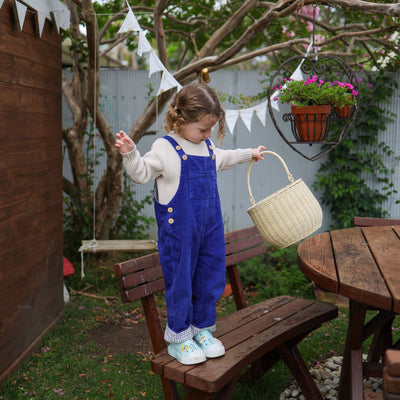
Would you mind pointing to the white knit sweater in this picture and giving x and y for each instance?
(163, 164)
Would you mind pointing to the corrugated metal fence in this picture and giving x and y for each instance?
(124, 95)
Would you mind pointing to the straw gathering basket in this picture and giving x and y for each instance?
(288, 215)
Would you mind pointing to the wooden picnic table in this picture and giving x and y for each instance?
(363, 265)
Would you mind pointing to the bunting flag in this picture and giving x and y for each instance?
(231, 117)
(131, 24)
(144, 45)
(20, 12)
(53, 10)
(168, 82)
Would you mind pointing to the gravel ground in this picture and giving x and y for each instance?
(326, 375)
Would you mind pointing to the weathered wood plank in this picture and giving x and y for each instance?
(359, 277)
(385, 247)
(315, 254)
(121, 245)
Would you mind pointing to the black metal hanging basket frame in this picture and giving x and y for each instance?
(315, 65)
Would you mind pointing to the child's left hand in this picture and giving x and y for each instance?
(256, 153)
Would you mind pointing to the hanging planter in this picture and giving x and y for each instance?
(310, 123)
(316, 80)
(345, 111)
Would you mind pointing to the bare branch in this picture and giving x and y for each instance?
(159, 29)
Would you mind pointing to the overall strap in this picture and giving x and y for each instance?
(175, 145)
(209, 147)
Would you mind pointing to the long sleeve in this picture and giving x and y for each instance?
(142, 169)
(227, 159)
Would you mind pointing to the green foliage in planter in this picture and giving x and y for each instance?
(341, 178)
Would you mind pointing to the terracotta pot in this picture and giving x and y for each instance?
(311, 122)
(343, 112)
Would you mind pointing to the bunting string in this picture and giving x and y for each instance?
(59, 14)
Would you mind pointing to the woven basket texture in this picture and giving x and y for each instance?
(288, 215)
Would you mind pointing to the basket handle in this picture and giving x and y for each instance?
(289, 175)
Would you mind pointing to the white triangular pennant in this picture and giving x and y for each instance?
(143, 45)
(246, 115)
(168, 82)
(130, 23)
(231, 117)
(274, 103)
(61, 19)
(261, 111)
(20, 12)
(297, 74)
(40, 20)
(155, 64)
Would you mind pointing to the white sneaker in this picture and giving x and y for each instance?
(187, 352)
(211, 346)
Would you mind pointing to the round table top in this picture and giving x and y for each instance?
(362, 264)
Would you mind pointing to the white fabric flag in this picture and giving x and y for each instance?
(261, 111)
(231, 117)
(143, 45)
(20, 12)
(61, 18)
(246, 114)
(42, 12)
(40, 20)
(130, 23)
(155, 64)
(168, 82)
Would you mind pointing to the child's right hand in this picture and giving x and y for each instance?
(124, 143)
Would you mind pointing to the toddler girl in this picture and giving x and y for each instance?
(191, 242)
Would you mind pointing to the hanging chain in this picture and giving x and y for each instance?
(314, 50)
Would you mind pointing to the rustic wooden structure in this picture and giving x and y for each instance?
(362, 264)
(120, 245)
(255, 336)
(369, 221)
(391, 378)
(31, 268)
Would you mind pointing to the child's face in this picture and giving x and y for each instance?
(196, 132)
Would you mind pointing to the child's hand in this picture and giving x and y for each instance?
(256, 153)
(124, 143)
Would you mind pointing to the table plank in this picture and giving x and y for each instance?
(316, 261)
(359, 276)
(385, 246)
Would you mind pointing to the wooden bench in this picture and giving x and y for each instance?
(256, 336)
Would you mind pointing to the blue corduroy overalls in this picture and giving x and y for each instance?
(191, 245)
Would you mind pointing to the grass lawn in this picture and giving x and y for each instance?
(100, 349)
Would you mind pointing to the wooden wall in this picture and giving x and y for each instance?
(31, 271)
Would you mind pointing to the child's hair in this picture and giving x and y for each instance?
(190, 104)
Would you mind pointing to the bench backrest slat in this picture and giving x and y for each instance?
(142, 276)
(142, 291)
(136, 264)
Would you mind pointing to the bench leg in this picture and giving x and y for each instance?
(198, 395)
(227, 392)
(170, 390)
(293, 359)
